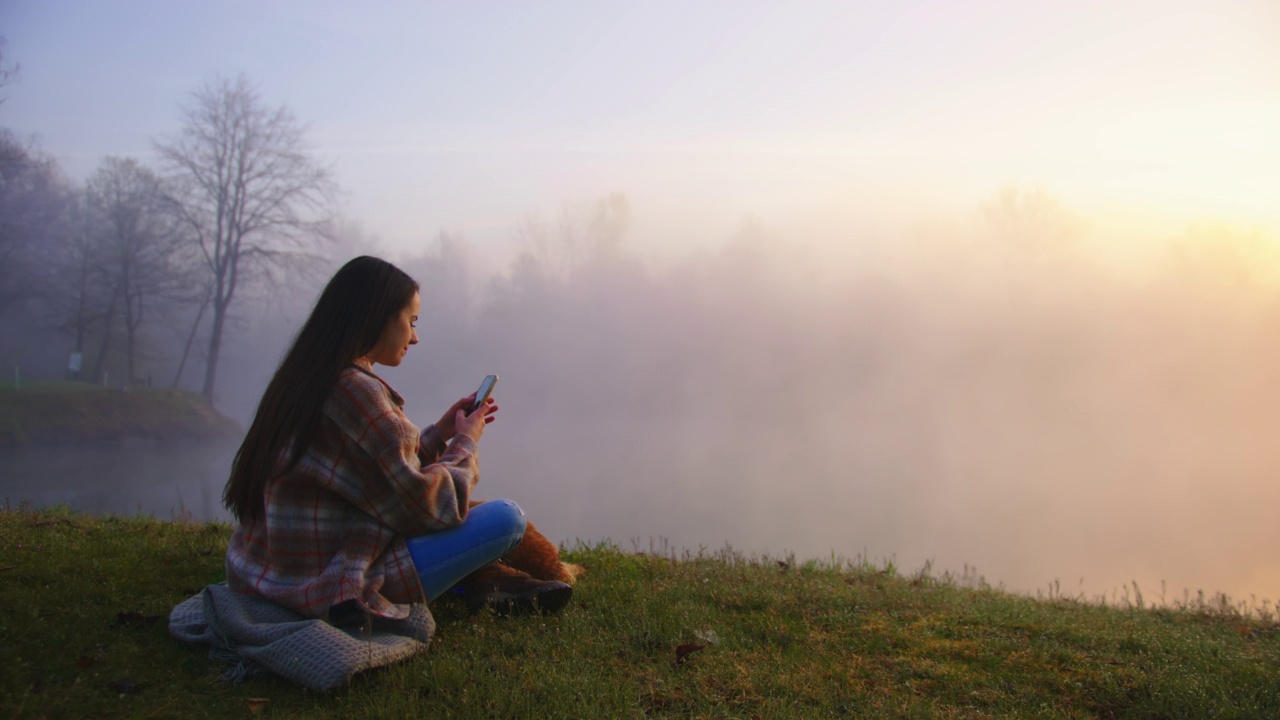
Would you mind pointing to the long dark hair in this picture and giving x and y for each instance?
(348, 319)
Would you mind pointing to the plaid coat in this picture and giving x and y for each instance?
(336, 523)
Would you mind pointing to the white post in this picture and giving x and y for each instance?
(73, 365)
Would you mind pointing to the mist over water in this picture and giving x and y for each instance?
(170, 480)
(1031, 411)
(1012, 394)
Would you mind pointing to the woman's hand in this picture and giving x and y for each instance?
(472, 425)
(445, 425)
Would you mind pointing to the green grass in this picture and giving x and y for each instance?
(52, 413)
(85, 601)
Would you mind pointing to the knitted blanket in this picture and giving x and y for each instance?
(259, 636)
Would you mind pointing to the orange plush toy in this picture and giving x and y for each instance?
(540, 558)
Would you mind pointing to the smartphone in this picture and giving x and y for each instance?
(486, 387)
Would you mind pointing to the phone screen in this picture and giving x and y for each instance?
(486, 387)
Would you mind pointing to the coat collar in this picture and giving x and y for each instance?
(395, 396)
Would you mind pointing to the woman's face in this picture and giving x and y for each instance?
(398, 335)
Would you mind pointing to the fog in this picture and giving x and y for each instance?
(1004, 390)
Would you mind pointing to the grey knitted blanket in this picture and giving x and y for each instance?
(259, 636)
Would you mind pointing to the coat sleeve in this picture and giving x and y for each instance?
(430, 445)
(400, 491)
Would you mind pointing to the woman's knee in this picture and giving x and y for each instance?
(504, 517)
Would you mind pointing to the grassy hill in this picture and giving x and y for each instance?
(85, 602)
(75, 413)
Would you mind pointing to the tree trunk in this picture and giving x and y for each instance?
(81, 311)
(215, 346)
(186, 349)
(131, 321)
(106, 338)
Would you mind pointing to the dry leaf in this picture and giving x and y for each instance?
(684, 651)
(256, 705)
(125, 686)
(131, 618)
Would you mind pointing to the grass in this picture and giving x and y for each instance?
(85, 601)
(52, 413)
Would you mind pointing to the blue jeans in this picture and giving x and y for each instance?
(489, 532)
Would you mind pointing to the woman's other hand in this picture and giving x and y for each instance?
(445, 425)
(473, 424)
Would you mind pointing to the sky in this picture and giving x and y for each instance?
(469, 117)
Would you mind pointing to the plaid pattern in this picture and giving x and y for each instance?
(335, 524)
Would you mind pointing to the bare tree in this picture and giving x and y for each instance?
(444, 273)
(1030, 221)
(7, 74)
(33, 211)
(583, 238)
(75, 262)
(254, 199)
(137, 243)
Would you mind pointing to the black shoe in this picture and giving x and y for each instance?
(548, 599)
(511, 592)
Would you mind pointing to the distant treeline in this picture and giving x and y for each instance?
(109, 263)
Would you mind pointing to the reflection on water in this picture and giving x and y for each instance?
(151, 477)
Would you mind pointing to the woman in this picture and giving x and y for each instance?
(342, 507)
